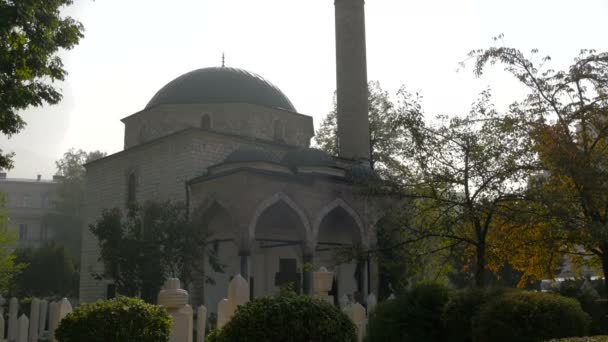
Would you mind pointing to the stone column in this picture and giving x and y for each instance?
(364, 280)
(175, 300)
(245, 264)
(351, 76)
(307, 286)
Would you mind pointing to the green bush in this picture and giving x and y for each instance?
(462, 306)
(287, 317)
(413, 316)
(522, 316)
(119, 319)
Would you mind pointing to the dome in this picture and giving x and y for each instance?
(308, 157)
(249, 154)
(221, 85)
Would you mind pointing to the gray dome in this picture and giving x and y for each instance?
(308, 157)
(250, 154)
(221, 85)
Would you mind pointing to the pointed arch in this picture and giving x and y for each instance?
(327, 209)
(272, 200)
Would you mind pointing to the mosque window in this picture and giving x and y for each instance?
(131, 189)
(279, 131)
(206, 121)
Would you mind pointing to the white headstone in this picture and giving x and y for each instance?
(372, 301)
(344, 301)
(34, 320)
(13, 319)
(175, 300)
(23, 329)
(44, 307)
(201, 322)
(238, 291)
(224, 312)
(65, 307)
(356, 312)
(53, 319)
(391, 297)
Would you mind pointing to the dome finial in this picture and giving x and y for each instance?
(223, 60)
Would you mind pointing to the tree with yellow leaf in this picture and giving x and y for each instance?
(566, 113)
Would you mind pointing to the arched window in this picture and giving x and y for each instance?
(131, 189)
(206, 121)
(278, 131)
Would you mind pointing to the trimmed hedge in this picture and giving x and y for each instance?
(414, 316)
(463, 305)
(118, 319)
(522, 316)
(287, 317)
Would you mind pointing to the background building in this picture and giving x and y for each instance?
(28, 202)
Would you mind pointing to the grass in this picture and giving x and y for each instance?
(582, 339)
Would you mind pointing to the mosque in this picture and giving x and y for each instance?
(230, 142)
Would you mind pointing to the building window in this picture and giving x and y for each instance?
(44, 200)
(26, 200)
(206, 121)
(131, 189)
(44, 232)
(279, 131)
(22, 232)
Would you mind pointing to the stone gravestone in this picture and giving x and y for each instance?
(372, 301)
(34, 320)
(288, 274)
(356, 312)
(201, 322)
(344, 301)
(44, 307)
(58, 310)
(238, 294)
(322, 283)
(23, 329)
(175, 300)
(53, 319)
(13, 319)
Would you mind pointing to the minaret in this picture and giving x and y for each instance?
(351, 74)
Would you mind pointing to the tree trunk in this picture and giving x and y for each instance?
(480, 267)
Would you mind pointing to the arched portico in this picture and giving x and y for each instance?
(280, 235)
(338, 226)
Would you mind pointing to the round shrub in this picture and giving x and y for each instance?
(118, 319)
(523, 316)
(460, 309)
(413, 316)
(287, 317)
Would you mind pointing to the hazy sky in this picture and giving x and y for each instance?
(134, 47)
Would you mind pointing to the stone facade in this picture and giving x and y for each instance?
(161, 168)
(28, 202)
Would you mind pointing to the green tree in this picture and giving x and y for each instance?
(566, 112)
(67, 217)
(9, 268)
(386, 131)
(31, 35)
(50, 272)
(152, 241)
(466, 173)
